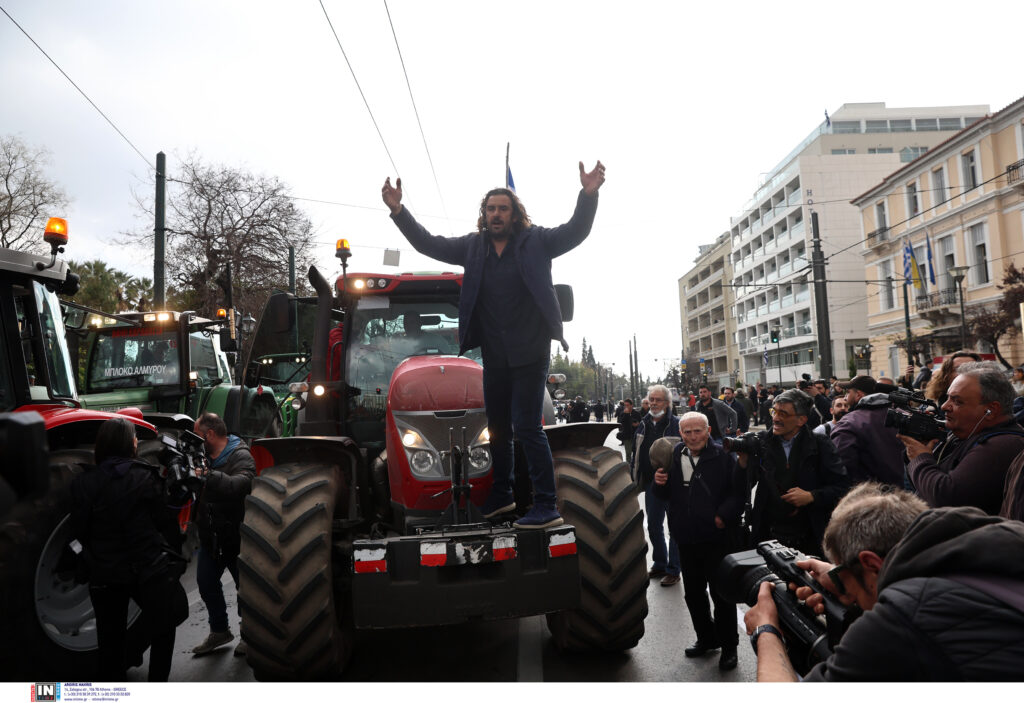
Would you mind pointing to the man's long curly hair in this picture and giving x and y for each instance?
(522, 220)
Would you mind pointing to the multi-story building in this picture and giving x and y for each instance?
(771, 240)
(965, 199)
(705, 304)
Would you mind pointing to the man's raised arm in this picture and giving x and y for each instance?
(450, 250)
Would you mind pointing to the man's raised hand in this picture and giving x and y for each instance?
(593, 180)
(392, 195)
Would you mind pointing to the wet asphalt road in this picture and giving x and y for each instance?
(507, 650)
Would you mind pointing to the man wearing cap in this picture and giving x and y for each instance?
(868, 449)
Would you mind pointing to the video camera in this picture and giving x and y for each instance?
(913, 415)
(809, 637)
(181, 458)
(746, 443)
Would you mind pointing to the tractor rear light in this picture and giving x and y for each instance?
(561, 544)
(433, 553)
(370, 559)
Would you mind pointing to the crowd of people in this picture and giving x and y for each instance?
(932, 515)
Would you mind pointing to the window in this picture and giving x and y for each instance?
(978, 244)
(880, 219)
(947, 260)
(876, 126)
(909, 153)
(845, 127)
(885, 274)
(899, 125)
(967, 164)
(939, 185)
(913, 205)
(839, 152)
(880, 150)
(928, 125)
(949, 123)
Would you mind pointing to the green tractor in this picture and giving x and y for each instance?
(172, 366)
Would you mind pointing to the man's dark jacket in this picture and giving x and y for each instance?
(535, 248)
(742, 419)
(818, 470)
(120, 517)
(715, 489)
(626, 421)
(222, 503)
(650, 430)
(950, 606)
(968, 472)
(868, 449)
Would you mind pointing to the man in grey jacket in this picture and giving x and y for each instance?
(721, 418)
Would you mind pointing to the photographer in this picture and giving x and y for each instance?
(220, 514)
(704, 497)
(868, 449)
(120, 516)
(579, 410)
(629, 420)
(941, 590)
(970, 466)
(799, 477)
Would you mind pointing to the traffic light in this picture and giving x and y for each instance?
(775, 336)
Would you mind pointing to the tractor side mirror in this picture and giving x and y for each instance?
(565, 300)
(279, 314)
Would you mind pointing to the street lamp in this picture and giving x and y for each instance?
(248, 325)
(958, 273)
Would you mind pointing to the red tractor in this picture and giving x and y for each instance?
(45, 438)
(368, 518)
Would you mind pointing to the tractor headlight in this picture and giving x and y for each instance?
(479, 459)
(423, 462)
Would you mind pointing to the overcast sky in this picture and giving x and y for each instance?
(686, 106)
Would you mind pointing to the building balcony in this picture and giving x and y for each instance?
(937, 299)
(1015, 174)
(878, 236)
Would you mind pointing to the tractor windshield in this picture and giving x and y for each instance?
(385, 331)
(133, 357)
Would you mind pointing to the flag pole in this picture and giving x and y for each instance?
(507, 145)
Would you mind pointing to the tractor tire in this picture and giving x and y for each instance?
(598, 497)
(48, 617)
(292, 620)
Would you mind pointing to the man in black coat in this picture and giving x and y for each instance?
(704, 502)
(942, 592)
(799, 477)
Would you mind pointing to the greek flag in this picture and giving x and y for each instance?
(765, 356)
(907, 256)
(509, 183)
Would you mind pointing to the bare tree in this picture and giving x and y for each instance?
(27, 196)
(217, 215)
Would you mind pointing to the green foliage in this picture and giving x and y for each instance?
(109, 289)
(585, 380)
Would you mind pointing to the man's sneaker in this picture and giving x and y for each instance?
(212, 641)
(539, 517)
(242, 649)
(497, 504)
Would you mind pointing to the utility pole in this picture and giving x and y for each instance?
(159, 233)
(821, 300)
(636, 365)
(632, 378)
(291, 269)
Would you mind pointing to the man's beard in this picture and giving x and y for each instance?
(657, 415)
(836, 417)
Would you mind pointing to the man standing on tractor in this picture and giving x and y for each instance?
(508, 308)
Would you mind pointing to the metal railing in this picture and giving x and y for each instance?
(878, 236)
(937, 299)
(1015, 173)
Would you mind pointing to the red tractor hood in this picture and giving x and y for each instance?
(57, 415)
(436, 383)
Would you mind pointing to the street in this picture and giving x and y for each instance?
(505, 650)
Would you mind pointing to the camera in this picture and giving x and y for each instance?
(746, 443)
(809, 637)
(181, 458)
(913, 415)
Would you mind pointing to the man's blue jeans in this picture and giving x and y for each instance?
(514, 401)
(208, 573)
(657, 509)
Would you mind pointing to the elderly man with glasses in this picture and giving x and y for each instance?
(799, 477)
(942, 591)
